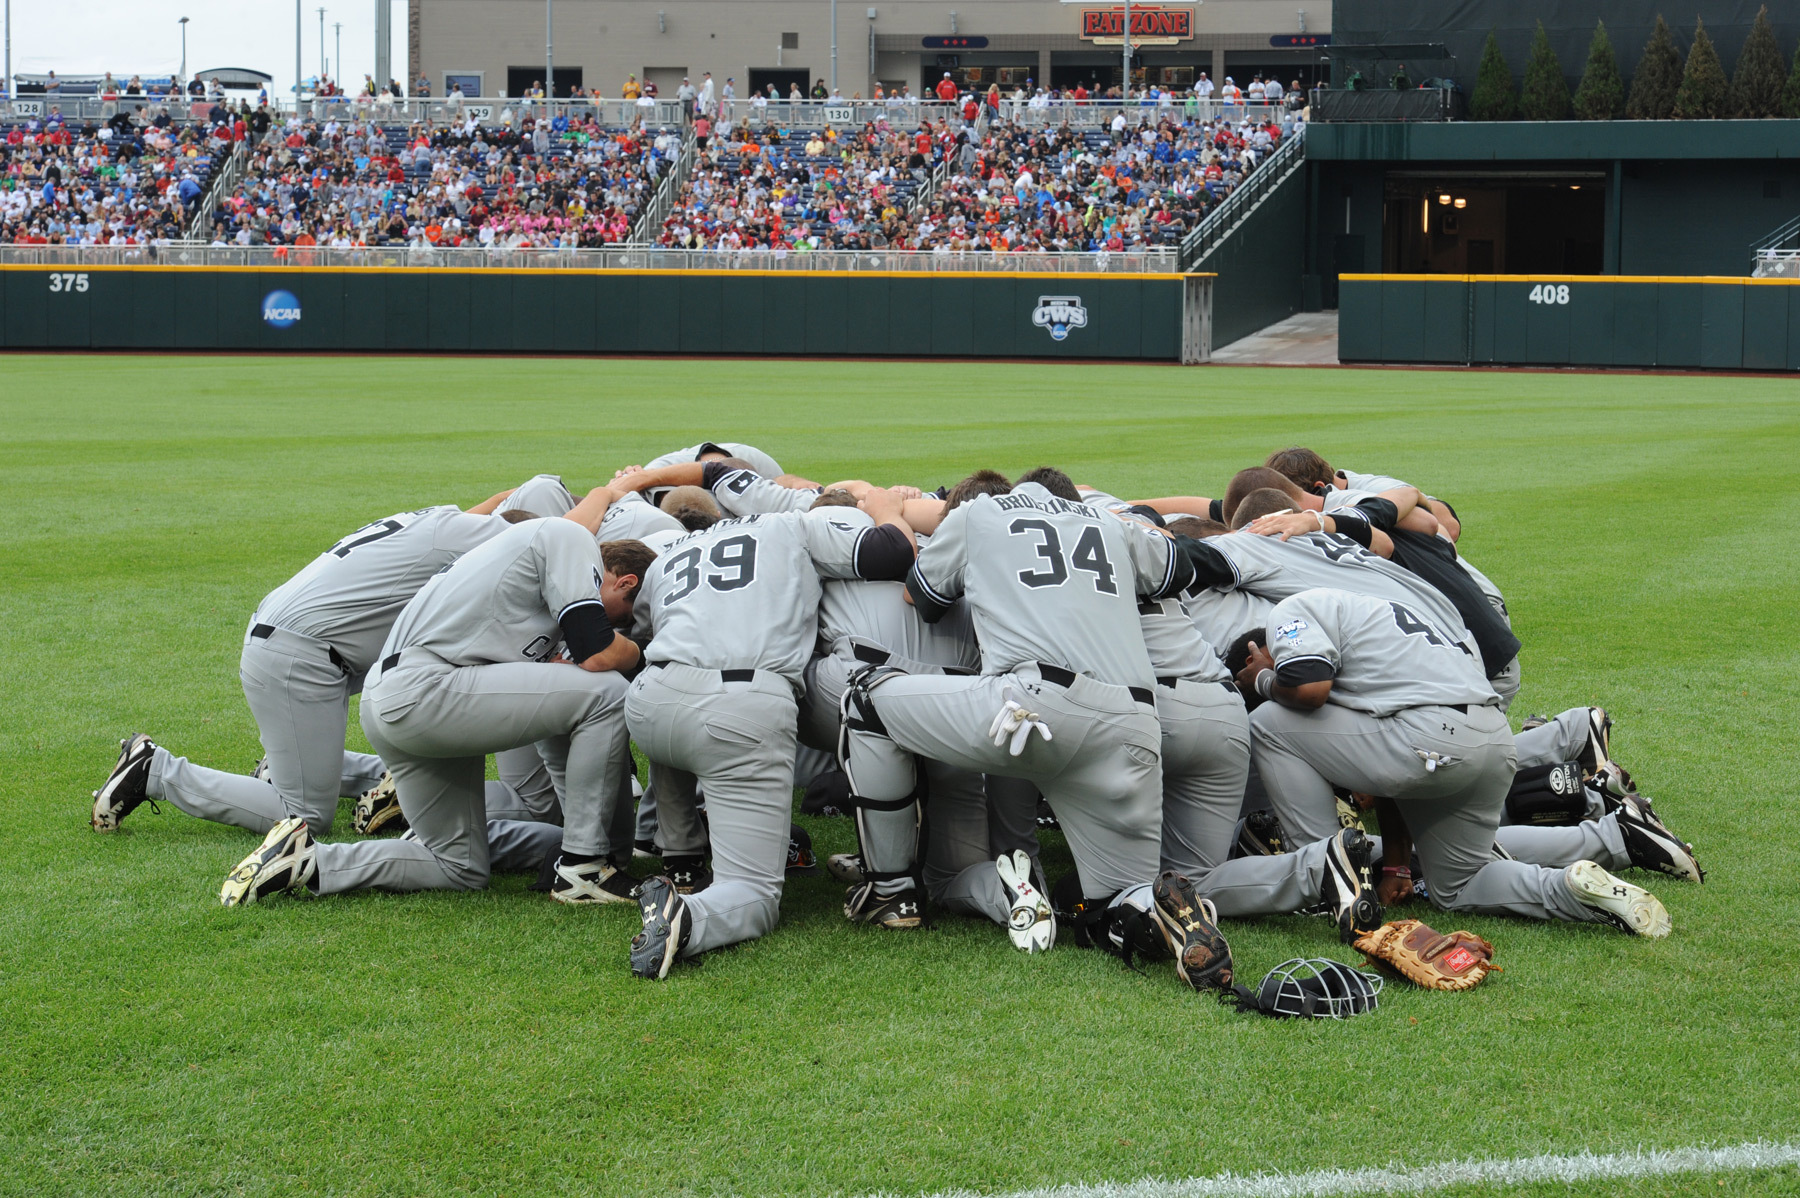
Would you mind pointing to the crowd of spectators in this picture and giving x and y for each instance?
(137, 178)
(544, 183)
(801, 190)
(1140, 184)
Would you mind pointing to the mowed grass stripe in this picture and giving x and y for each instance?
(493, 1044)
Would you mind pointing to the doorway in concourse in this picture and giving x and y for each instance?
(1476, 223)
(782, 77)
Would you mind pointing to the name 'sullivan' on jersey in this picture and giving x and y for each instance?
(1059, 314)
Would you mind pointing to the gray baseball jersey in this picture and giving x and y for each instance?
(1223, 616)
(1379, 654)
(541, 495)
(747, 493)
(1048, 580)
(502, 602)
(878, 612)
(744, 594)
(350, 595)
(1276, 569)
(633, 519)
(1370, 482)
(1176, 648)
(1336, 499)
(763, 463)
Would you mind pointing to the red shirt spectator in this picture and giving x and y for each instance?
(946, 90)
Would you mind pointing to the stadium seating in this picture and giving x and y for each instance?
(113, 184)
(801, 189)
(563, 183)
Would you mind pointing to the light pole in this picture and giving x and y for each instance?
(549, 49)
(1125, 91)
(337, 57)
(296, 59)
(321, 45)
(184, 22)
(834, 47)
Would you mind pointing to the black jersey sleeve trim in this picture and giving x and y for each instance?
(1206, 566)
(883, 554)
(1297, 671)
(1380, 512)
(1356, 530)
(930, 605)
(585, 628)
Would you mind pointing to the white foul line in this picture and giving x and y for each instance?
(1401, 1179)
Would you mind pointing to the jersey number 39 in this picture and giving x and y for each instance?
(734, 559)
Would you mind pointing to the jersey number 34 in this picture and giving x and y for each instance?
(1089, 556)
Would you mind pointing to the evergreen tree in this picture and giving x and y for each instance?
(1704, 90)
(1658, 76)
(1545, 95)
(1601, 95)
(1790, 95)
(1494, 99)
(1756, 87)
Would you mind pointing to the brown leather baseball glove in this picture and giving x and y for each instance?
(1428, 957)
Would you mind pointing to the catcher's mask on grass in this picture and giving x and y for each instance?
(1312, 988)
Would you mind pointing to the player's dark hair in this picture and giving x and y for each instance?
(1197, 527)
(1302, 466)
(694, 507)
(627, 557)
(1237, 654)
(1263, 502)
(836, 497)
(1053, 481)
(982, 482)
(515, 516)
(1254, 479)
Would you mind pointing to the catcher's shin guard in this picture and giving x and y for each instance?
(878, 769)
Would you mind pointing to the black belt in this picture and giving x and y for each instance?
(724, 675)
(1462, 707)
(870, 654)
(389, 662)
(1066, 678)
(1170, 681)
(263, 632)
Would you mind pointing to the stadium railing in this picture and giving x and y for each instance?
(93, 108)
(1269, 174)
(193, 254)
(1092, 114)
(1777, 255)
(649, 222)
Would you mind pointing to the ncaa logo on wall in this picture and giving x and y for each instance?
(1059, 314)
(281, 309)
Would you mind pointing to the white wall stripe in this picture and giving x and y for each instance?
(1401, 1179)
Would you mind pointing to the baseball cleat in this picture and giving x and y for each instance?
(845, 867)
(285, 860)
(1650, 843)
(689, 875)
(1046, 818)
(1190, 927)
(1260, 835)
(261, 772)
(378, 809)
(1349, 895)
(1598, 769)
(645, 848)
(123, 792)
(655, 948)
(905, 909)
(1628, 908)
(1031, 923)
(800, 856)
(591, 882)
(1534, 721)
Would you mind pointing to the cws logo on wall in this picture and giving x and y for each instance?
(1059, 314)
(281, 309)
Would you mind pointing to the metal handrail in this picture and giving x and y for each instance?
(650, 220)
(1267, 175)
(223, 180)
(641, 257)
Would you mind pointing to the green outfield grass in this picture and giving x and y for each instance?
(1644, 529)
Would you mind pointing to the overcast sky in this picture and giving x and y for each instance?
(143, 37)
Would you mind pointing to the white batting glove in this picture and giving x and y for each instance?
(1016, 722)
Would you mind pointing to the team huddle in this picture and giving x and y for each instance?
(1206, 695)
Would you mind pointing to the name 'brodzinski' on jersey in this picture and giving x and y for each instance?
(1016, 502)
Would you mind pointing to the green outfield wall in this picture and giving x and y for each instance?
(1667, 322)
(985, 315)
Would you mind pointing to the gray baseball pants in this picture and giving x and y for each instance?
(435, 724)
(1452, 810)
(301, 702)
(1101, 772)
(737, 740)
